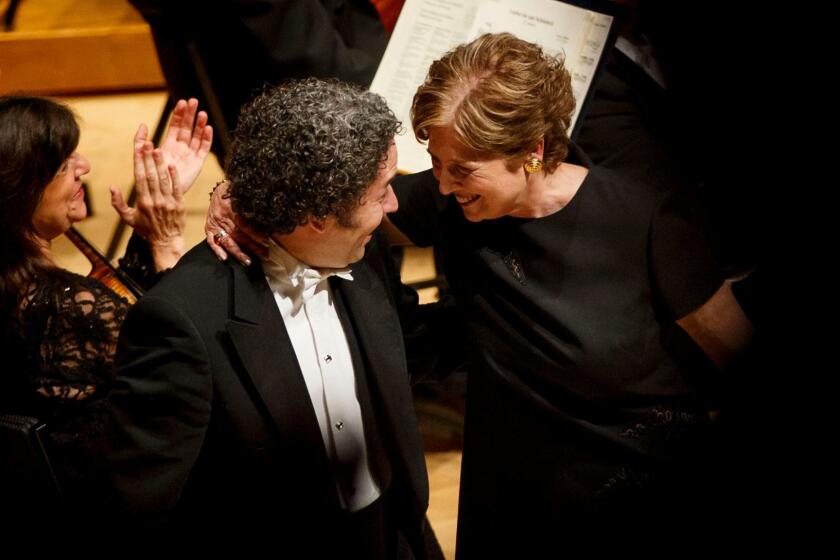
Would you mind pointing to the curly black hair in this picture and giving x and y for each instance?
(307, 148)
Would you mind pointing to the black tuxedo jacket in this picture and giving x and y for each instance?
(213, 424)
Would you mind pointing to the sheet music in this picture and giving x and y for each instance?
(427, 29)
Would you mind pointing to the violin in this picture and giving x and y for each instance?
(115, 279)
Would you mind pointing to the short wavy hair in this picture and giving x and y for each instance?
(307, 148)
(501, 95)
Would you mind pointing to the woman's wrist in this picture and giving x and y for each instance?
(166, 253)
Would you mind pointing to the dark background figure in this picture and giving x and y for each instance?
(711, 125)
(697, 124)
(231, 49)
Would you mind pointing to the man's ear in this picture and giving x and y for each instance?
(319, 225)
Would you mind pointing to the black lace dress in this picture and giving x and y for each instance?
(62, 347)
(58, 365)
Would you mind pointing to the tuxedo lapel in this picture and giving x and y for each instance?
(376, 327)
(380, 341)
(262, 343)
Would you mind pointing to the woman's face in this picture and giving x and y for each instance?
(486, 186)
(63, 201)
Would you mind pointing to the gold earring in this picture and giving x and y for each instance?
(533, 165)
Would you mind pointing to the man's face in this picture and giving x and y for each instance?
(342, 245)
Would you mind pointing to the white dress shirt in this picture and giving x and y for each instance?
(305, 300)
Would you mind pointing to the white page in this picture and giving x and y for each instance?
(560, 29)
(425, 30)
(429, 28)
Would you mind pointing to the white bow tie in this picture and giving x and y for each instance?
(295, 280)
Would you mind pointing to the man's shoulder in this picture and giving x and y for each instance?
(199, 275)
(195, 297)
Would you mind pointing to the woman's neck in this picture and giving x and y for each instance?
(45, 246)
(550, 193)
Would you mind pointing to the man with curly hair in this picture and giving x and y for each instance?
(276, 396)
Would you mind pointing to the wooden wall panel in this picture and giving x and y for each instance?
(73, 61)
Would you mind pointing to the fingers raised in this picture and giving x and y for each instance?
(185, 130)
(161, 173)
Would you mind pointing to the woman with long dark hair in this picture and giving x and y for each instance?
(60, 329)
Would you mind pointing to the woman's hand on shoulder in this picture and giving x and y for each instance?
(226, 234)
